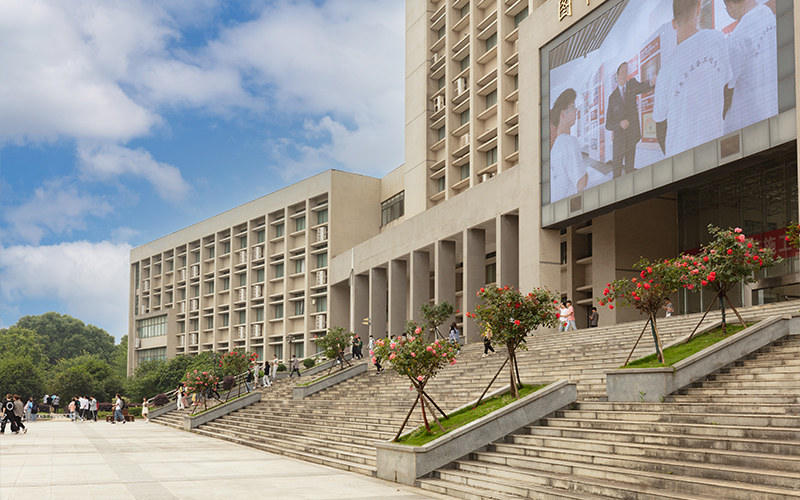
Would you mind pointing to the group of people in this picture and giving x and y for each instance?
(12, 412)
(83, 408)
(708, 86)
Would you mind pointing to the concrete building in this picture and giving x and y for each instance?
(478, 198)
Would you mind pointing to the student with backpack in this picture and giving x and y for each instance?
(8, 415)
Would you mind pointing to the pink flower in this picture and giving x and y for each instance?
(373, 360)
(392, 356)
(372, 353)
(418, 330)
(740, 238)
(413, 355)
(392, 345)
(429, 348)
(516, 322)
(420, 378)
(737, 230)
(730, 251)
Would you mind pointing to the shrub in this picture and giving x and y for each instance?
(44, 408)
(281, 367)
(227, 382)
(160, 399)
(105, 406)
(308, 362)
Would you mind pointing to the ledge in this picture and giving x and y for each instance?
(161, 410)
(319, 367)
(404, 464)
(304, 391)
(653, 384)
(193, 421)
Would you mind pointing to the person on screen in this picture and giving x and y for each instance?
(753, 89)
(568, 174)
(623, 120)
(690, 86)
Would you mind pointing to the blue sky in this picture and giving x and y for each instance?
(122, 121)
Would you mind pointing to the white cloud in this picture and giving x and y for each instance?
(86, 280)
(111, 161)
(55, 208)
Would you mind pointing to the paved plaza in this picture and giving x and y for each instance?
(147, 461)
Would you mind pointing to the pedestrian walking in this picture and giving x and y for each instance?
(594, 317)
(487, 342)
(295, 366)
(29, 410)
(274, 368)
(19, 412)
(145, 411)
(455, 336)
(179, 397)
(71, 409)
(35, 411)
(570, 317)
(118, 404)
(93, 408)
(265, 379)
(8, 415)
(248, 379)
(56, 403)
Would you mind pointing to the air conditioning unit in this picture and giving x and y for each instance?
(465, 139)
(256, 253)
(183, 307)
(138, 343)
(146, 285)
(321, 322)
(461, 85)
(322, 233)
(195, 271)
(257, 330)
(242, 294)
(241, 332)
(438, 103)
(322, 277)
(257, 291)
(193, 339)
(243, 257)
(194, 305)
(183, 274)
(142, 310)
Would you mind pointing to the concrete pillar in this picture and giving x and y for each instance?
(474, 277)
(339, 313)
(420, 278)
(444, 285)
(378, 305)
(507, 243)
(398, 296)
(360, 304)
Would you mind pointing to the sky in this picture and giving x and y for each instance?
(122, 121)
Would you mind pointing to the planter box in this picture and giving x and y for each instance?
(192, 421)
(304, 391)
(653, 384)
(161, 410)
(404, 464)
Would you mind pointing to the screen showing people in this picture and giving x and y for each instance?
(658, 78)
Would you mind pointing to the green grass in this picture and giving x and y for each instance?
(460, 418)
(682, 351)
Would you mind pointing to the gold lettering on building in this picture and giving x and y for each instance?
(565, 8)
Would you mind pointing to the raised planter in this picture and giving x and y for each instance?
(404, 464)
(653, 384)
(304, 391)
(161, 410)
(192, 421)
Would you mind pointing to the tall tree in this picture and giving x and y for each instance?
(16, 341)
(68, 337)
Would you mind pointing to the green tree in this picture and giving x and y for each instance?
(119, 359)
(18, 375)
(67, 337)
(334, 343)
(88, 375)
(435, 315)
(16, 341)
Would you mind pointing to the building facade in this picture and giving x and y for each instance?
(480, 198)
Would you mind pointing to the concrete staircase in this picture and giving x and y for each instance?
(735, 436)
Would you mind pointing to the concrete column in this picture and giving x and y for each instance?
(507, 242)
(420, 278)
(398, 296)
(444, 285)
(378, 304)
(360, 304)
(339, 311)
(474, 277)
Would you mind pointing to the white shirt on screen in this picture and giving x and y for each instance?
(566, 167)
(753, 48)
(690, 91)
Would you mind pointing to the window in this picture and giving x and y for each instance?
(491, 42)
(441, 183)
(261, 236)
(194, 324)
(278, 311)
(441, 82)
(195, 290)
(441, 32)
(170, 266)
(211, 252)
(182, 327)
(464, 171)
(225, 319)
(259, 314)
(441, 133)
(465, 117)
(322, 216)
(491, 99)
(393, 208)
(299, 307)
(322, 260)
(156, 354)
(279, 230)
(300, 224)
(491, 273)
(243, 242)
(151, 327)
(260, 275)
(242, 279)
(563, 252)
(226, 283)
(519, 17)
(491, 156)
(465, 63)
(196, 256)
(516, 82)
(279, 271)
(464, 10)
(183, 293)
(210, 323)
(300, 266)
(183, 261)
(516, 142)
(242, 317)
(322, 304)
(226, 247)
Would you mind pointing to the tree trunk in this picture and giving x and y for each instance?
(490, 383)
(424, 417)
(738, 316)
(659, 352)
(722, 307)
(513, 382)
(637, 341)
(408, 415)
(710, 305)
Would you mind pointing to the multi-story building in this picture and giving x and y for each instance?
(253, 277)
(478, 199)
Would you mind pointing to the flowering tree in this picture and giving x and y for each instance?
(411, 356)
(647, 292)
(435, 315)
(793, 234)
(235, 363)
(198, 382)
(334, 344)
(729, 259)
(509, 316)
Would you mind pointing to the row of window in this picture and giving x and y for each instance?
(151, 327)
(258, 315)
(158, 353)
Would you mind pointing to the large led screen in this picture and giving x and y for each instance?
(649, 79)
